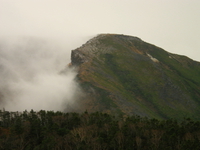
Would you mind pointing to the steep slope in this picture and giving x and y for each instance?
(125, 75)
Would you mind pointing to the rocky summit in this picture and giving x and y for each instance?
(124, 75)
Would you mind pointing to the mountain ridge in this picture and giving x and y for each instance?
(124, 75)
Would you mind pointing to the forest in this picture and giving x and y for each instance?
(55, 130)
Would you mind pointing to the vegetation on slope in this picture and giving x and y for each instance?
(140, 78)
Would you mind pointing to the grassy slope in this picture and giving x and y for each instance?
(159, 90)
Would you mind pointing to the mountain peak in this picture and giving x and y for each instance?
(101, 44)
(125, 75)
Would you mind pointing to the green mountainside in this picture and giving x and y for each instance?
(126, 76)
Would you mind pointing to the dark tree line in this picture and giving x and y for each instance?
(49, 130)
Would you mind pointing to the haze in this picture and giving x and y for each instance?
(34, 75)
(37, 37)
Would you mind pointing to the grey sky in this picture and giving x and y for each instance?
(170, 24)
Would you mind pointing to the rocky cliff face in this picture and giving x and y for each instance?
(125, 75)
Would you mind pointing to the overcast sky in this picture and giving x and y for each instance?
(171, 24)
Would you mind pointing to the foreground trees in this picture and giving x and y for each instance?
(51, 130)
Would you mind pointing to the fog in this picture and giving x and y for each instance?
(34, 75)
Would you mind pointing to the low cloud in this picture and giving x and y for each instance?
(34, 75)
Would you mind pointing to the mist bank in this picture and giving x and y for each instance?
(30, 75)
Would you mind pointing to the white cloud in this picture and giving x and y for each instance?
(31, 78)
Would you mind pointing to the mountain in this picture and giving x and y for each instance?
(124, 75)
